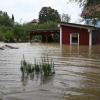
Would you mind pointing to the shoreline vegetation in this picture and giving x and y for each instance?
(20, 33)
(13, 32)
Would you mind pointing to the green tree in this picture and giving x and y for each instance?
(87, 2)
(91, 8)
(48, 14)
(12, 18)
(5, 19)
(9, 35)
(1, 36)
(65, 18)
(50, 24)
(20, 33)
(6, 33)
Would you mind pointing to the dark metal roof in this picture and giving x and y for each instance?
(78, 25)
(45, 30)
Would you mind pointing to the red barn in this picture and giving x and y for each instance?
(79, 34)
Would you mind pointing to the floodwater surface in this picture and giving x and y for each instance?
(77, 73)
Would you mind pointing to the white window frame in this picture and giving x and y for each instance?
(71, 39)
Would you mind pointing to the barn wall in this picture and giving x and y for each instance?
(96, 37)
(83, 35)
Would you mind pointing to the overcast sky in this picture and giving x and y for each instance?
(26, 10)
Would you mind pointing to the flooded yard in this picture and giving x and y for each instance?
(77, 73)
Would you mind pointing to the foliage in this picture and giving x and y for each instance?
(37, 38)
(12, 18)
(9, 35)
(14, 32)
(48, 14)
(80, 2)
(20, 33)
(6, 33)
(46, 25)
(86, 3)
(43, 68)
(90, 4)
(5, 19)
(6, 27)
(65, 18)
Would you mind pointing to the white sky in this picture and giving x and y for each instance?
(26, 10)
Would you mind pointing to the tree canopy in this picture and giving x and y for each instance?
(91, 8)
(86, 2)
(5, 19)
(48, 14)
(9, 30)
(65, 18)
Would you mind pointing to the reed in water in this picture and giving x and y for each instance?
(43, 66)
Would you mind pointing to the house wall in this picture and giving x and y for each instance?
(96, 37)
(83, 35)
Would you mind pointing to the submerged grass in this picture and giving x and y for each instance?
(43, 67)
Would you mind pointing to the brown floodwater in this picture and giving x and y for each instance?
(77, 73)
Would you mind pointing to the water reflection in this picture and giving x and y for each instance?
(37, 77)
(83, 63)
(76, 50)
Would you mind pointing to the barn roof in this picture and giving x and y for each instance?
(78, 25)
(39, 31)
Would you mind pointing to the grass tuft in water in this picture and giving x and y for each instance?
(43, 67)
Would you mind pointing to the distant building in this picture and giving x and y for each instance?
(35, 21)
(79, 34)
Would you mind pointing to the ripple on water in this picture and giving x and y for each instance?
(77, 73)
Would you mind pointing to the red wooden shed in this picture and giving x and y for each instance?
(47, 34)
(79, 34)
